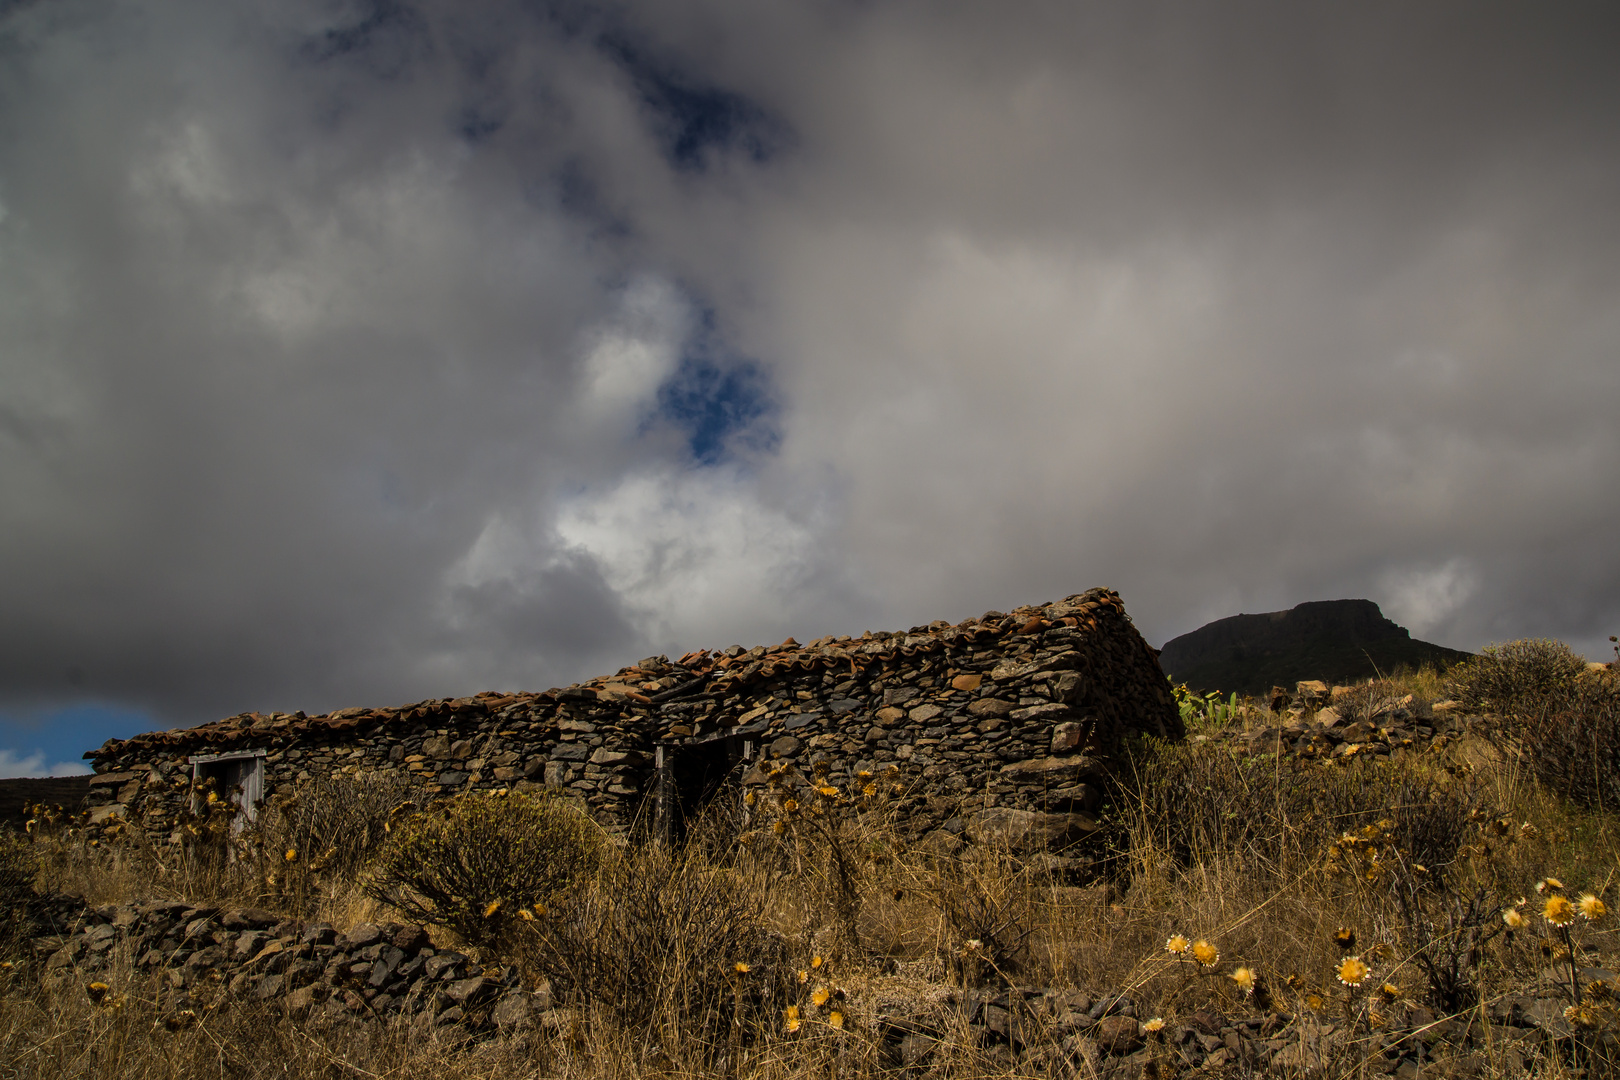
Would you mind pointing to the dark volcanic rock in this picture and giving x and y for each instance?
(1333, 640)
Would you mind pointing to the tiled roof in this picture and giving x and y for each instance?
(698, 672)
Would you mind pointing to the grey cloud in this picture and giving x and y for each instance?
(354, 352)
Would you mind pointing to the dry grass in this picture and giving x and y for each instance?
(1264, 859)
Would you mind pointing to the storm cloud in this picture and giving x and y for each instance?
(365, 352)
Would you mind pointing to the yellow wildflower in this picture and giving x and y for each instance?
(1558, 910)
(1155, 1024)
(836, 1019)
(1178, 944)
(740, 968)
(820, 996)
(816, 962)
(491, 908)
(97, 991)
(791, 1014)
(1513, 917)
(1592, 908)
(291, 854)
(1205, 953)
(827, 792)
(1354, 971)
(1549, 884)
(1244, 977)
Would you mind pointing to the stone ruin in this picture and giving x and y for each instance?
(1001, 726)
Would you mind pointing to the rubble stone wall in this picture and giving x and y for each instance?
(1003, 722)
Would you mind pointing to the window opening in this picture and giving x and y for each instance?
(236, 778)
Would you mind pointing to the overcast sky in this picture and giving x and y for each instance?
(357, 353)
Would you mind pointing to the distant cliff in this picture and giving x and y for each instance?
(1333, 640)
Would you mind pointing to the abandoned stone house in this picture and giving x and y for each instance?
(1004, 722)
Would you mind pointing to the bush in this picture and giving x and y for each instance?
(671, 942)
(475, 863)
(1195, 802)
(1515, 677)
(311, 840)
(1570, 740)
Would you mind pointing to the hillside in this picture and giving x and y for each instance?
(1335, 640)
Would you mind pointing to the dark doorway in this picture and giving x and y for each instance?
(693, 777)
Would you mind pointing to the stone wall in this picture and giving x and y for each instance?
(1002, 723)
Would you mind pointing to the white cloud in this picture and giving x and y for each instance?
(699, 555)
(634, 352)
(14, 765)
(1423, 599)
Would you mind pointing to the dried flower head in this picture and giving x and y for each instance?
(1389, 992)
(1178, 944)
(97, 991)
(1155, 1024)
(1549, 884)
(1244, 977)
(1558, 910)
(1592, 909)
(491, 908)
(1513, 917)
(1345, 938)
(804, 976)
(1353, 971)
(1205, 953)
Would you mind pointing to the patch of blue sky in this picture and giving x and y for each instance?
(722, 402)
(53, 741)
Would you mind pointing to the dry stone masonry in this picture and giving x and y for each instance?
(202, 958)
(1000, 724)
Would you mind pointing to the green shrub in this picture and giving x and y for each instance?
(477, 862)
(1515, 677)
